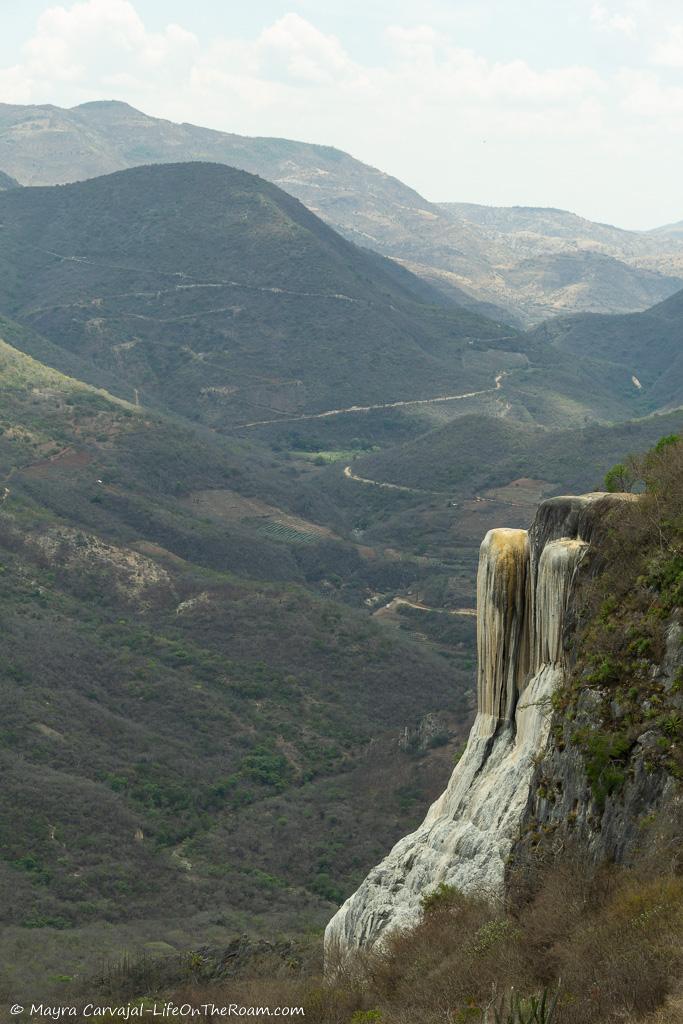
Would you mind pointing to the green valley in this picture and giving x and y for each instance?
(170, 681)
(245, 470)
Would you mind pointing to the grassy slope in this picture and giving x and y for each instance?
(158, 694)
(475, 453)
(647, 345)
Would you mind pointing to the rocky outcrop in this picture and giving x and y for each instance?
(562, 811)
(524, 593)
(133, 576)
(432, 730)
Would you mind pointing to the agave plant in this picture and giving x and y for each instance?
(538, 1009)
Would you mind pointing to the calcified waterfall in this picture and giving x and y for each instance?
(502, 609)
(524, 585)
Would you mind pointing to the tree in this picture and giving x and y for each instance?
(665, 441)
(620, 478)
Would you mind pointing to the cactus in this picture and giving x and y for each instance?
(539, 1009)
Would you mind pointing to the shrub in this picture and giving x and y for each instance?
(443, 897)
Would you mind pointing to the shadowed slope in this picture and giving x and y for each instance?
(215, 292)
(516, 258)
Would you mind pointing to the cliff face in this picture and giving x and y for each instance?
(524, 615)
(563, 811)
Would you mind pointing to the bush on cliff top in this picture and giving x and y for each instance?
(628, 625)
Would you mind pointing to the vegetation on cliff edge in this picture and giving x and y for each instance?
(630, 631)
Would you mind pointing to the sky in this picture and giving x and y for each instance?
(576, 104)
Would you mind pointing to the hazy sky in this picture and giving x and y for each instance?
(569, 103)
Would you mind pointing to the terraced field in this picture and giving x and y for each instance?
(278, 529)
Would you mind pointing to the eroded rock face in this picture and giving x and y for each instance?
(502, 609)
(562, 812)
(524, 588)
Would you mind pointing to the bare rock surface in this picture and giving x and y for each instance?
(524, 594)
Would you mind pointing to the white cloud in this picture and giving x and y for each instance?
(436, 68)
(96, 41)
(646, 96)
(423, 113)
(15, 86)
(292, 48)
(669, 52)
(614, 21)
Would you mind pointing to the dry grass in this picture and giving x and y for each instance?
(610, 939)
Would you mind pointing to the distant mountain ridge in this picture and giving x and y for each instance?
(670, 230)
(472, 255)
(649, 345)
(571, 264)
(217, 294)
(7, 182)
(547, 221)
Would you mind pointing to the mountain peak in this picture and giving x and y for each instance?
(481, 257)
(106, 105)
(7, 182)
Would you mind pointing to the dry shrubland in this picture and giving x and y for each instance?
(607, 940)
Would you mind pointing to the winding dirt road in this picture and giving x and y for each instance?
(498, 383)
(398, 601)
(350, 475)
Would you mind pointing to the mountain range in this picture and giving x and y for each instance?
(6, 182)
(520, 260)
(210, 289)
(184, 681)
(245, 467)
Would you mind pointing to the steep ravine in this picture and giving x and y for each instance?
(481, 824)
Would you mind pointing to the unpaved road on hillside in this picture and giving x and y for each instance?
(477, 498)
(398, 601)
(498, 383)
(350, 475)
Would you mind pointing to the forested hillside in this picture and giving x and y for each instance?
(531, 263)
(646, 344)
(183, 709)
(213, 292)
(477, 453)
(246, 466)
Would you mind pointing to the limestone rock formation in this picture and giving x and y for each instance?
(524, 587)
(562, 809)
